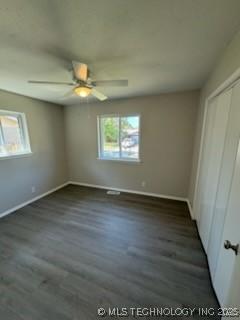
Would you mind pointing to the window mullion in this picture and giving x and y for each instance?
(119, 137)
(102, 136)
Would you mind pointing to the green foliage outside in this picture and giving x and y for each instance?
(111, 129)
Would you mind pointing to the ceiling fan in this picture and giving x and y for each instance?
(83, 84)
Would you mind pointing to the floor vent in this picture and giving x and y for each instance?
(113, 192)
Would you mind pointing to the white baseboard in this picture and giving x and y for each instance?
(3, 214)
(129, 191)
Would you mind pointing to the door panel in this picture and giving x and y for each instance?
(233, 299)
(227, 277)
(213, 164)
(217, 205)
(225, 179)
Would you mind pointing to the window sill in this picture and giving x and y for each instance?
(16, 155)
(127, 161)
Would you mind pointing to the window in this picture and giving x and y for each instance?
(13, 134)
(119, 137)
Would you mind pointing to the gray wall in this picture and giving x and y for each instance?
(46, 167)
(168, 128)
(227, 64)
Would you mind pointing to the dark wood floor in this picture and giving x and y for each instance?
(79, 249)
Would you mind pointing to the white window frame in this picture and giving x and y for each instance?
(23, 131)
(99, 133)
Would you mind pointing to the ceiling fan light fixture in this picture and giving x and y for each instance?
(82, 91)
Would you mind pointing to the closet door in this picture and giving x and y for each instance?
(225, 179)
(218, 112)
(227, 278)
(229, 155)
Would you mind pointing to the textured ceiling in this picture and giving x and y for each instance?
(158, 45)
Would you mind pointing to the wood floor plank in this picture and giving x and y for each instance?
(78, 249)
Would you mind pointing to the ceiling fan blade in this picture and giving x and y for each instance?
(98, 95)
(52, 82)
(80, 70)
(110, 83)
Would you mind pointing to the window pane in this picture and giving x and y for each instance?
(11, 135)
(130, 137)
(110, 137)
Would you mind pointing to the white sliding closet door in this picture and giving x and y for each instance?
(216, 125)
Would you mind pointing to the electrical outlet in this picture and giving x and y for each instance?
(33, 189)
(143, 184)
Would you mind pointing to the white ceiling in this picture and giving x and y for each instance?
(158, 45)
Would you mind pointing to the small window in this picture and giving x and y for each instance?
(119, 137)
(13, 134)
